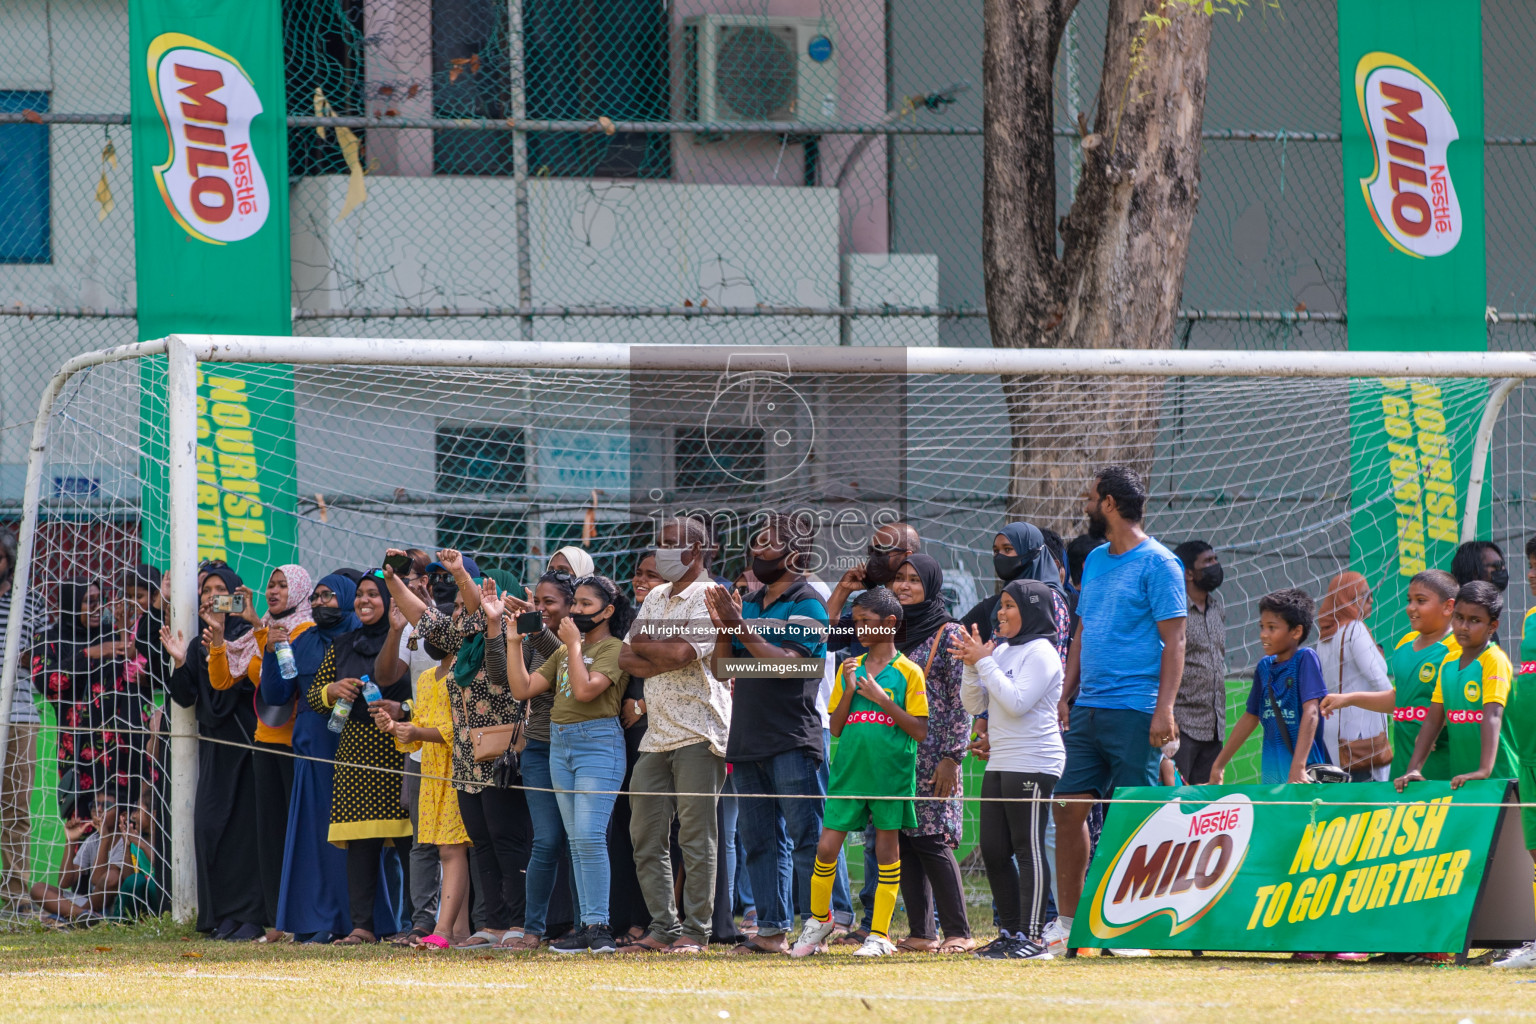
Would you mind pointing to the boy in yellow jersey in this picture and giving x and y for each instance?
(879, 709)
(1522, 715)
(1470, 696)
(1414, 667)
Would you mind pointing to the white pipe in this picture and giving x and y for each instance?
(1480, 446)
(181, 501)
(597, 356)
(37, 457)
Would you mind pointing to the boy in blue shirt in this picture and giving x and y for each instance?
(1288, 679)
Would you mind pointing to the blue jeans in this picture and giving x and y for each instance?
(548, 836)
(585, 758)
(791, 774)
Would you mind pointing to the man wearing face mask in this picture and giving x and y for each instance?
(1200, 709)
(688, 713)
(889, 546)
(775, 746)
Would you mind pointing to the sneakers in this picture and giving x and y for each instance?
(1055, 938)
(1002, 940)
(576, 942)
(813, 938)
(600, 939)
(876, 945)
(1014, 949)
(590, 938)
(1525, 956)
(1128, 952)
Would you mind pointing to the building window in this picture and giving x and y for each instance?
(584, 59)
(24, 182)
(480, 459)
(494, 542)
(724, 459)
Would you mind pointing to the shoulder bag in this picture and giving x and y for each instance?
(1368, 751)
(490, 742)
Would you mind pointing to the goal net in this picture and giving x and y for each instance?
(1292, 479)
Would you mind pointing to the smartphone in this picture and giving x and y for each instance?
(237, 604)
(400, 563)
(529, 623)
(222, 603)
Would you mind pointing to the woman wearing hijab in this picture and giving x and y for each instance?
(1019, 553)
(366, 813)
(929, 872)
(1355, 738)
(312, 900)
(229, 896)
(572, 560)
(1016, 681)
(478, 696)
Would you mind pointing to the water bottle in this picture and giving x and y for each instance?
(371, 692)
(286, 666)
(339, 714)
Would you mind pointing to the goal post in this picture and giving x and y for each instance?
(1255, 432)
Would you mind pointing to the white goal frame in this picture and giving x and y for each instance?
(1505, 370)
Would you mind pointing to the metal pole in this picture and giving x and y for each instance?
(520, 168)
(1480, 446)
(181, 475)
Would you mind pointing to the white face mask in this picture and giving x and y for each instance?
(671, 563)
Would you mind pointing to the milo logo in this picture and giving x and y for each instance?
(210, 180)
(1177, 863)
(1409, 193)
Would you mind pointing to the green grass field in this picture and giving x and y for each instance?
(156, 973)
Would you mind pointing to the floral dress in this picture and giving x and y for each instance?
(483, 703)
(949, 735)
(103, 708)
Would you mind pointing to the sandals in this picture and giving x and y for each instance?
(645, 944)
(853, 938)
(480, 940)
(356, 938)
(958, 944)
(432, 942)
(413, 937)
(915, 944)
(752, 947)
(684, 946)
(512, 940)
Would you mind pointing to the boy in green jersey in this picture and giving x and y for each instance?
(1470, 696)
(1414, 667)
(879, 709)
(1521, 714)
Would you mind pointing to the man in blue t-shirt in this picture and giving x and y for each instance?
(1123, 671)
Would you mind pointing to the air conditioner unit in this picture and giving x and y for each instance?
(742, 67)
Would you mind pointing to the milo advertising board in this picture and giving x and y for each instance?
(1302, 868)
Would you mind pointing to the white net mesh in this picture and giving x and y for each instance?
(510, 465)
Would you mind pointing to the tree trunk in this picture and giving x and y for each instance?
(1117, 278)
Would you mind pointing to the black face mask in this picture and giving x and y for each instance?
(433, 651)
(1209, 578)
(1007, 566)
(1499, 578)
(585, 623)
(326, 617)
(878, 571)
(769, 570)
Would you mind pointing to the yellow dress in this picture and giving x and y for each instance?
(438, 821)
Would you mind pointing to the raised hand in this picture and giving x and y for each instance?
(451, 559)
(175, 645)
(969, 648)
(494, 604)
(249, 614)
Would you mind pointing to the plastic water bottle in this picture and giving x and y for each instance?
(339, 714)
(371, 692)
(286, 666)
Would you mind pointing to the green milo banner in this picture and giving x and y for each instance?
(1220, 869)
(210, 172)
(1411, 103)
